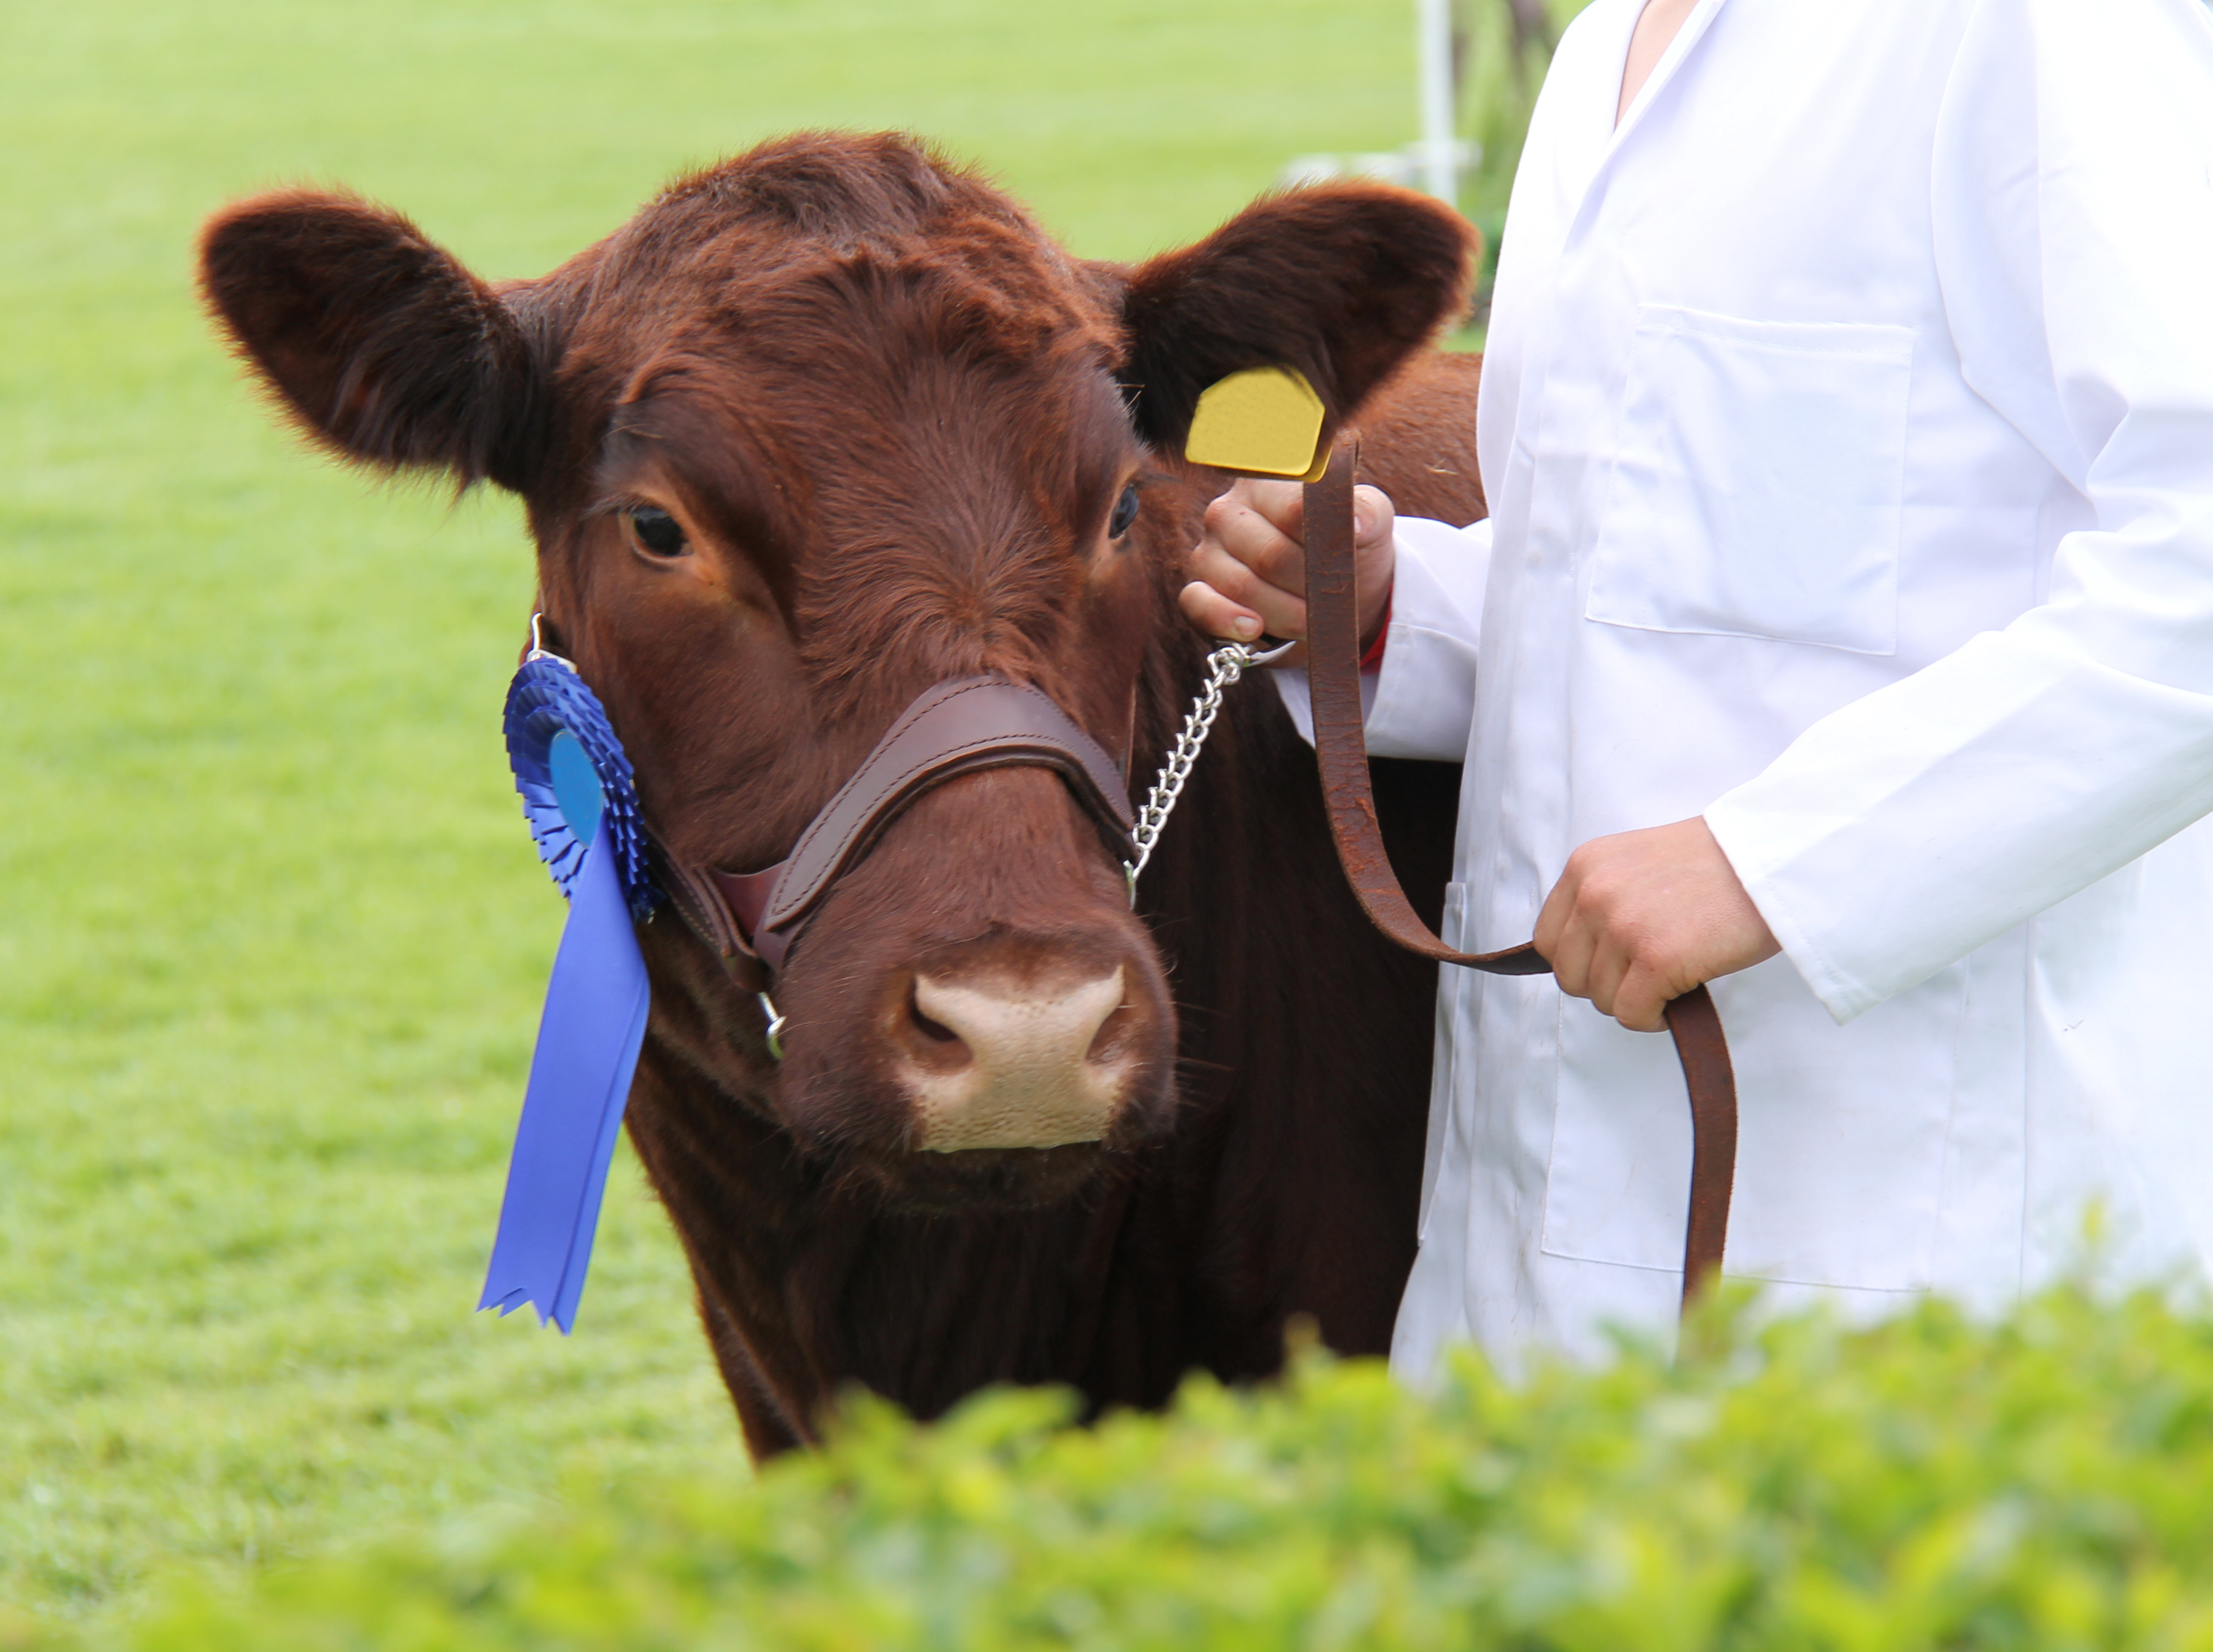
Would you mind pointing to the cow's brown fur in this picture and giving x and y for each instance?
(893, 418)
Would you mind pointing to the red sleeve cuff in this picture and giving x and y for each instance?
(1373, 660)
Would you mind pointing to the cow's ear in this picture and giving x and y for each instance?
(378, 342)
(1342, 282)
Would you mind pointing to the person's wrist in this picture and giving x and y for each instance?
(1372, 644)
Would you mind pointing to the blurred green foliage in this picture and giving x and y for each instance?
(2043, 1484)
(1508, 47)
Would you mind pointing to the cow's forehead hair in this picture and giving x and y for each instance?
(824, 281)
(859, 231)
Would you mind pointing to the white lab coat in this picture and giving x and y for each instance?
(1848, 424)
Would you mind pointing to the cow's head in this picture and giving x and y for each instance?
(819, 428)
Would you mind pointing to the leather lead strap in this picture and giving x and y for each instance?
(1340, 744)
(1703, 1051)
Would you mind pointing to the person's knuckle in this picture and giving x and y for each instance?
(1242, 580)
(1214, 556)
(1279, 561)
(1598, 894)
(1646, 985)
(1251, 540)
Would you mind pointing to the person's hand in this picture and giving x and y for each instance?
(1643, 916)
(1248, 574)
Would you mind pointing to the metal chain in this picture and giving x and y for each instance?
(1224, 667)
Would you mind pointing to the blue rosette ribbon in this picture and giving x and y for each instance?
(578, 797)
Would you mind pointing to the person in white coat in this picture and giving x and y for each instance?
(1843, 634)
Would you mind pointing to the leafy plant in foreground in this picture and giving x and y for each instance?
(2043, 1482)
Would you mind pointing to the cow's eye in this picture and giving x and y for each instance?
(1125, 512)
(656, 531)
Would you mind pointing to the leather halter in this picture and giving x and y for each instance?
(952, 728)
(1340, 743)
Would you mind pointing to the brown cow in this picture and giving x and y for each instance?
(821, 427)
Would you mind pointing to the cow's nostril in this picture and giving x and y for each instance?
(936, 1031)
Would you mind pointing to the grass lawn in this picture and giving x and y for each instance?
(271, 931)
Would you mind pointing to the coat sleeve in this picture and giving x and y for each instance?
(2073, 203)
(1422, 703)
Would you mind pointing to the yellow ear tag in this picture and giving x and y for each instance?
(1265, 421)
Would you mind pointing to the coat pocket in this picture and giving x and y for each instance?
(1841, 1138)
(1758, 482)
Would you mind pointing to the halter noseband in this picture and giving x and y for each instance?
(951, 728)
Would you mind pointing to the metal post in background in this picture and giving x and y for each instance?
(1433, 57)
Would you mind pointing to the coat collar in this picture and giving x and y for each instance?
(1655, 85)
(1605, 98)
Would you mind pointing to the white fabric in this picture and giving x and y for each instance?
(1848, 423)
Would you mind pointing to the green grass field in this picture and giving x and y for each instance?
(272, 932)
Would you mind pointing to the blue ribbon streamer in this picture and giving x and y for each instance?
(576, 785)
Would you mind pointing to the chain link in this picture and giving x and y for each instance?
(1223, 668)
